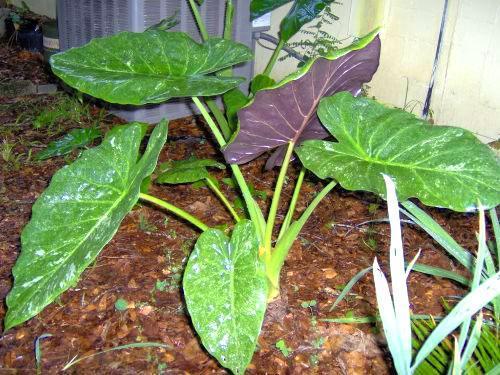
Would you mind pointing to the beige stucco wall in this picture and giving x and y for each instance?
(466, 92)
(45, 7)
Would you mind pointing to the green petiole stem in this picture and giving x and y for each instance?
(213, 127)
(252, 207)
(176, 210)
(276, 197)
(223, 199)
(293, 203)
(199, 21)
(273, 265)
(228, 20)
(228, 72)
(274, 58)
(221, 120)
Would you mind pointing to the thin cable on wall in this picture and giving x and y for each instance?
(427, 105)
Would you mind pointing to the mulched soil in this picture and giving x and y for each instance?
(18, 65)
(143, 265)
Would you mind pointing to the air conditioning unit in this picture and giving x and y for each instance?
(81, 20)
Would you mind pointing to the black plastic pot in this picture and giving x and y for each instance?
(28, 37)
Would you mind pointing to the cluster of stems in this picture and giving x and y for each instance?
(273, 254)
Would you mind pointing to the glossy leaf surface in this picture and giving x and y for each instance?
(77, 215)
(226, 290)
(186, 171)
(286, 112)
(150, 67)
(76, 138)
(442, 166)
(260, 7)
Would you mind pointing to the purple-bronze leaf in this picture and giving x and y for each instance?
(287, 111)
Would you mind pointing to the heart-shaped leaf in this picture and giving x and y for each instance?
(442, 166)
(150, 67)
(77, 215)
(226, 290)
(76, 138)
(186, 171)
(286, 112)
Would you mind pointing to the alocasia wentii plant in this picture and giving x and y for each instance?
(228, 280)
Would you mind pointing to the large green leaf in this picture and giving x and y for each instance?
(150, 67)
(77, 215)
(226, 290)
(185, 171)
(442, 166)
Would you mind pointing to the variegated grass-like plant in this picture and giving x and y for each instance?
(394, 308)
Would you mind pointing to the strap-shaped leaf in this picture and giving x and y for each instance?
(286, 112)
(150, 67)
(226, 289)
(76, 138)
(77, 215)
(442, 166)
(186, 171)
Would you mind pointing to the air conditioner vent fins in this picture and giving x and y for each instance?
(80, 21)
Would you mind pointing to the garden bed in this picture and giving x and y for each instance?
(143, 264)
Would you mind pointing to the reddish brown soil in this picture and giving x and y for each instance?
(151, 246)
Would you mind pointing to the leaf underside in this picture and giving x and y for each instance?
(150, 67)
(77, 215)
(226, 290)
(287, 113)
(442, 166)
